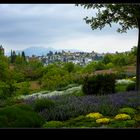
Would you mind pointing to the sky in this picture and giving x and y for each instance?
(60, 26)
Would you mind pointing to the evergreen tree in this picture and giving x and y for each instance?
(23, 55)
(13, 56)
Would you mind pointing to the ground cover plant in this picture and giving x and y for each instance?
(65, 107)
(18, 116)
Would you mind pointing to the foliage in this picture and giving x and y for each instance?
(137, 117)
(69, 67)
(4, 89)
(19, 116)
(71, 106)
(93, 66)
(67, 87)
(122, 117)
(33, 69)
(22, 88)
(96, 115)
(99, 84)
(125, 85)
(128, 17)
(4, 71)
(131, 86)
(7, 89)
(56, 77)
(17, 76)
(53, 124)
(122, 123)
(81, 122)
(103, 120)
(43, 103)
(124, 14)
(128, 110)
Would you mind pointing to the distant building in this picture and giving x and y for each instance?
(1, 50)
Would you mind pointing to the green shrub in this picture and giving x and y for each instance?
(53, 124)
(122, 124)
(7, 89)
(120, 87)
(131, 86)
(19, 116)
(23, 88)
(80, 122)
(99, 84)
(128, 110)
(122, 116)
(123, 75)
(137, 118)
(43, 103)
(107, 109)
(4, 89)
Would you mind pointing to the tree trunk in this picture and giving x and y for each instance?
(138, 60)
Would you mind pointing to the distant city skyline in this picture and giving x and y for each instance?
(59, 26)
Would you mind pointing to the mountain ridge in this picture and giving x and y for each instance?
(39, 51)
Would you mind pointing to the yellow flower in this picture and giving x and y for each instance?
(103, 120)
(96, 115)
(122, 117)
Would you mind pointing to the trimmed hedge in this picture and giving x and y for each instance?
(99, 84)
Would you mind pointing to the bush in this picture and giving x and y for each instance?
(96, 115)
(20, 116)
(81, 122)
(43, 103)
(53, 124)
(7, 89)
(128, 110)
(122, 117)
(122, 124)
(125, 85)
(99, 84)
(123, 75)
(4, 90)
(103, 120)
(131, 86)
(23, 88)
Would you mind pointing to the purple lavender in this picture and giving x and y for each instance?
(72, 106)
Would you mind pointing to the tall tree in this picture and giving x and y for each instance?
(13, 56)
(128, 17)
(23, 55)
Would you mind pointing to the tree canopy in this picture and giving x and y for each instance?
(126, 15)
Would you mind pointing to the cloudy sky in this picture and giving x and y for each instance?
(60, 26)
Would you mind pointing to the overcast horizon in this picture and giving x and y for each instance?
(59, 26)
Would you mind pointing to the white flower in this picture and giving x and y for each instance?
(124, 81)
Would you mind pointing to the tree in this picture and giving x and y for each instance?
(128, 17)
(23, 55)
(13, 56)
(69, 66)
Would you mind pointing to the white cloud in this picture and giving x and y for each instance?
(108, 43)
(57, 26)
